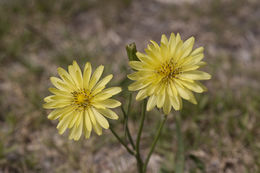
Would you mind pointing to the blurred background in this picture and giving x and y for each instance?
(221, 134)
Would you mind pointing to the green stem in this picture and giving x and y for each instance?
(122, 142)
(126, 129)
(158, 134)
(125, 118)
(138, 157)
(129, 104)
(180, 150)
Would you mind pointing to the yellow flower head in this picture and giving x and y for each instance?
(168, 72)
(80, 101)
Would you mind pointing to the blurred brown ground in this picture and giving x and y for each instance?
(221, 133)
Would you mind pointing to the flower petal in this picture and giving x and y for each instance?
(137, 86)
(175, 47)
(101, 84)
(176, 102)
(101, 119)
(167, 105)
(59, 92)
(192, 60)
(187, 47)
(59, 112)
(185, 93)
(137, 65)
(95, 77)
(64, 123)
(145, 58)
(201, 63)
(108, 103)
(86, 131)
(66, 77)
(76, 132)
(92, 117)
(76, 74)
(154, 53)
(195, 75)
(58, 83)
(74, 119)
(112, 90)
(141, 95)
(97, 128)
(87, 75)
(108, 113)
(197, 51)
(164, 39)
(151, 102)
(56, 104)
(161, 97)
(87, 120)
(194, 86)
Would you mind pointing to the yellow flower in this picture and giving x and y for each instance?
(80, 101)
(168, 72)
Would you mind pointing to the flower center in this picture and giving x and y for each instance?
(82, 98)
(169, 70)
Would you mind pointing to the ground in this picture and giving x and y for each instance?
(221, 133)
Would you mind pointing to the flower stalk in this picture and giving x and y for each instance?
(126, 115)
(122, 142)
(157, 136)
(179, 167)
(138, 156)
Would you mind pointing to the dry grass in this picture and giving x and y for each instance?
(221, 134)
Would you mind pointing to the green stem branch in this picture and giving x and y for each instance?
(126, 129)
(122, 142)
(180, 147)
(138, 157)
(158, 134)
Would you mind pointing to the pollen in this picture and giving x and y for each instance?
(82, 98)
(169, 70)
